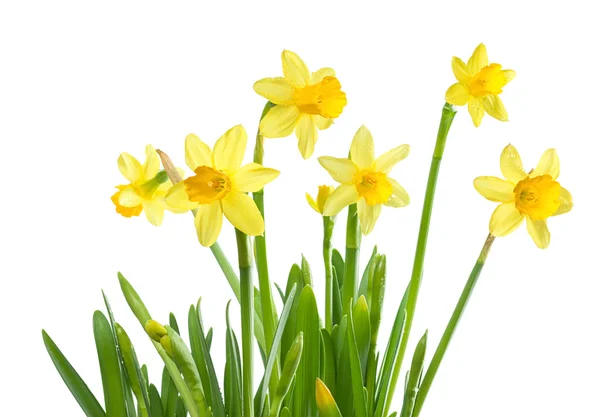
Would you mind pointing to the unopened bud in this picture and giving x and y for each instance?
(155, 330)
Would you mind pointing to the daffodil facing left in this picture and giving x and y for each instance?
(219, 186)
(304, 102)
(146, 189)
(479, 86)
(364, 180)
(533, 197)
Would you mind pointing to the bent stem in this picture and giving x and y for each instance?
(448, 113)
(247, 309)
(451, 327)
(353, 238)
(328, 223)
(267, 304)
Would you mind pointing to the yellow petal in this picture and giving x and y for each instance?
(341, 169)
(312, 203)
(343, 196)
(229, 149)
(252, 177)
(152, 164)
(306, 132)
(538, 230)
(495, 108)
(318, 76)
(129, 167)
(279, 122)
(399, 197)
(478, 60)
(460, 70)
(386, 162)
(476, 110)
(177, 198)
(509, 75)
(129, 198)
(505, 219)
(367, 216)
(277, 90)
(294, 69)
(208, 221)
(322, 122)
(155, 211)
(511, 165)
(495, 189)
(242, 213)
(549, 164)
(566, 202)
(197, 153)
(362, 150)
(458, 94)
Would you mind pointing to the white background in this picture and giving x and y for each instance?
(81, 82)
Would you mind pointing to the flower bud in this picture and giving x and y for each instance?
(322, 196)
(155, 330)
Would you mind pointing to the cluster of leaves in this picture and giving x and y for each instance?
(309, 370)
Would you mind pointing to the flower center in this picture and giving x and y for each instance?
(207, 186)
(122, 210)
(537, 197)
(324, 98)
(373, 186)
(489, 80)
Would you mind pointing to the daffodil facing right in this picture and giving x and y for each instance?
(304, 102)
(533, 197)
(479, 86)
(219, 186)
(364, 180)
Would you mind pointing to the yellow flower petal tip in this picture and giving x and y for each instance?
(219, 185)
(304, 102)
(532, 197)
(479, 85)
(364, 180)
(146, 189)
(323, 194)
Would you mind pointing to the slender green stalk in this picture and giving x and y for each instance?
(451, 327)
(230, 275)
(328, 223)
(247, 310)
(353, 238)
(266, 296)
(448, 113)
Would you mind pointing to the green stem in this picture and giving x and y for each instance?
(448, 113)
(353, 238)
(230, 275)
(451, 327)
(328, 223)
(269, 312)
(247, 310)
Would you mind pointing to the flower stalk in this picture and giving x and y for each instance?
(353, 240)
(328, 224)
(448, 113)
(451, 327)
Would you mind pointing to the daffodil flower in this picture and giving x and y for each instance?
(220, 186)
(305, 102)
(146, 189)
(535, 196)
(479, 85)
(364, 180)
(318, 203)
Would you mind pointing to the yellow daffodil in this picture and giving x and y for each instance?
(317, 204)
(479, 85)
(146, 189)
(305, 102)
(365, 180)
(220, 186)
(534, 196)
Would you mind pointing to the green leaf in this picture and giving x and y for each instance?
(288, 374)
(169, 394)
(233, 372)
(209, 337)
(181, 412)
(88, 403)
(372, 363)
(337, 300)
(360, 404)
(156, 409)
(306, 273)
(307, 322)
(194, 329)
(132, 371)
(285, 412)
(289, 334)
(414, 378)
(325, 402)
(112, 381)
(362, 329)
(281, 294)
(338, 266)
(366, 282)
(134, 301)
(377, 296)
(327, 361)
(173, 322)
